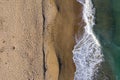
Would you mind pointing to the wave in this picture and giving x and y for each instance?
(87, 54)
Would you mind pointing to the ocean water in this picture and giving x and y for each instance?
(107, 30)
(97, 54)
(87, 51)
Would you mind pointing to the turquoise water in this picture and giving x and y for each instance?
(107, 30)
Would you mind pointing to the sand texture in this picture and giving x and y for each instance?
(37, 39)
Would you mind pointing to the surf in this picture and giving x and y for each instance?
(87, 53)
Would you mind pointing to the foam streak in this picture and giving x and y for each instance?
(87, 52)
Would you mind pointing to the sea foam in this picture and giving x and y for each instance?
(87, 53)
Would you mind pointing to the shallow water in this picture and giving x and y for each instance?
(107, 30)
(87, 51)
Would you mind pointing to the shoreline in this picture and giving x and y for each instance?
(87, 47)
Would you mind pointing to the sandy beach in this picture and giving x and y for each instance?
(37, 38)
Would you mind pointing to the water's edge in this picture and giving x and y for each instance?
(87, 53)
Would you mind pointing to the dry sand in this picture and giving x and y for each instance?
(37, 39)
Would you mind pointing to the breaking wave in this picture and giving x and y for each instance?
(87, 53)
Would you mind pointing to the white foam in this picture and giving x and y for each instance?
(87, 52)
(81, 1)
